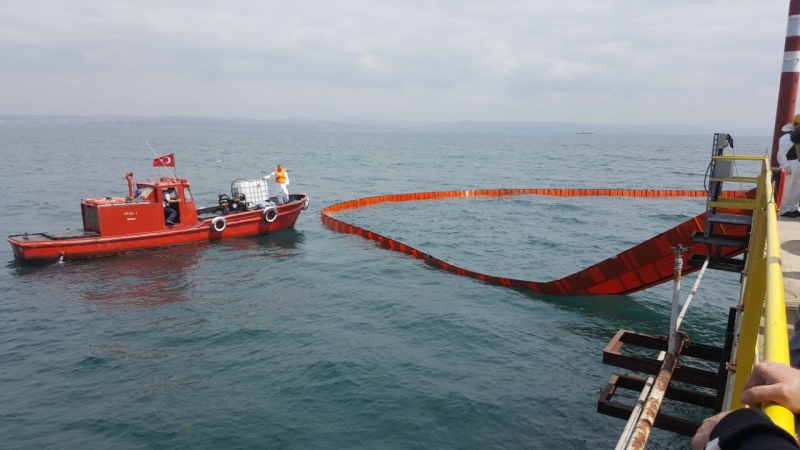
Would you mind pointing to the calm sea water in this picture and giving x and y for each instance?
(308, 339)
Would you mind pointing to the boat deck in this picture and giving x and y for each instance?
(55, 235)
(789, 231)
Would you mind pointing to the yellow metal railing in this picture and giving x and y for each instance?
(762, 298)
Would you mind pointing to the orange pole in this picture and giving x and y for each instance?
(790, 74)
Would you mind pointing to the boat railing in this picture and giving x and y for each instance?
(762, 330)
(155, 180)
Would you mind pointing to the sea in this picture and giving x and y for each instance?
(310, 339)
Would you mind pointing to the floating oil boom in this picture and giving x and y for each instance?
(640, 267)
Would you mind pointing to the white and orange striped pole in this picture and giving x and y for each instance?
(790, 73)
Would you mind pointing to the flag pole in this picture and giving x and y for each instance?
(162, 162)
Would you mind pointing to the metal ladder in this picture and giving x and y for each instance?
(721, 170)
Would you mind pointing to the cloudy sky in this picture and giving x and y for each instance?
(602, 61)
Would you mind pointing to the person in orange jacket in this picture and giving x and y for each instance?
(282, 180)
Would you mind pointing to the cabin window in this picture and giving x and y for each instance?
(90, 218)
(145, 194)
(187, 195)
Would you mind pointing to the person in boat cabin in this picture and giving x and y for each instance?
(170, 198)
(787, 158)
(282, 180)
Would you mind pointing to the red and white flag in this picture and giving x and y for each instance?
(165, 161)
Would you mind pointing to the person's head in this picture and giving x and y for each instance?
(796, 121)
(280, 167)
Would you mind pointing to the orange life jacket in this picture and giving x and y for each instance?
(280, 177)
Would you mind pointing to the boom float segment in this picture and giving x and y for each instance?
(640, 267)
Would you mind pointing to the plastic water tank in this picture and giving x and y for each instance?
(255, 191)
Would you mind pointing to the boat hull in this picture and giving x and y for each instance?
(35, 248)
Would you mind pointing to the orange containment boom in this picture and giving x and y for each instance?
(640, 267)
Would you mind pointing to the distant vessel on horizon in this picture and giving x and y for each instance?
(583, 132)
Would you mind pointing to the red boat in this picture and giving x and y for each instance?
(121, 224)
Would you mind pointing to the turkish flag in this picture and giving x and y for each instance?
(166, 161)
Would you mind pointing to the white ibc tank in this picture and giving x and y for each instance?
(255, 192)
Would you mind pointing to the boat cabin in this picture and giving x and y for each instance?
(143, 210)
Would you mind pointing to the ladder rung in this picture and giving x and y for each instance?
(721, 239)
(738, 203)
(731, 219)
(726, 264)
(736, 179)
(740, 157)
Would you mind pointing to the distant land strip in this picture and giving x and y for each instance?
(376, 126)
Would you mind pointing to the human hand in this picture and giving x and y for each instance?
(788, 171)
(703, 434)
(773, 382)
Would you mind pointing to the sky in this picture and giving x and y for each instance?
(623, 62)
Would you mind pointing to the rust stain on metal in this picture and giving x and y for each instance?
(639, 439)
(653, 402)
(662, 382)
(651, 411)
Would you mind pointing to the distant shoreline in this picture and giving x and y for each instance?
(369, 126)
